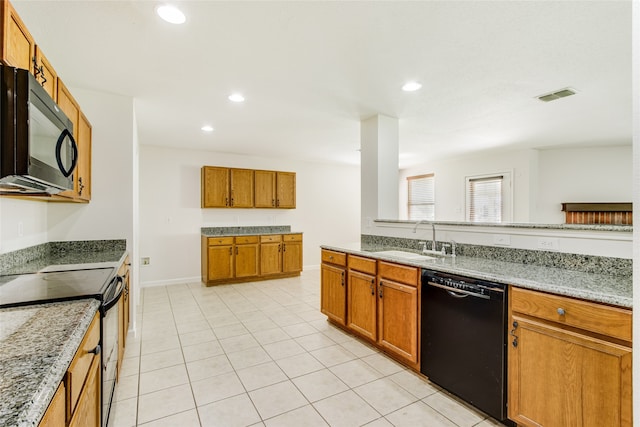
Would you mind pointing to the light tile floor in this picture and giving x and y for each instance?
(262, 354)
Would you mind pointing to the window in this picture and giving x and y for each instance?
(422, 202)
(488, 198)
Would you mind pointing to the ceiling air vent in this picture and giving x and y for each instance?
(557, 95)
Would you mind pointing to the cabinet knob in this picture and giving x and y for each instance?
(561, 311)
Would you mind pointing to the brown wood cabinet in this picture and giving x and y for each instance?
(18, 49)
(223, 187)
(45, 74)
(247, 256)
(333, 279)
(362, 297)
(18, 46)
(270, 254)
(569, 362)
(56, 414)
(123, 312)
(226, 187)
(83, 380)
(292, 253)
(398, 296)
(378, 301)
(81, 191)
(228, 259)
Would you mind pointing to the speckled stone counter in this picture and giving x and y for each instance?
(615, 290)
(37, 344)
(247, 230)
(65, 256)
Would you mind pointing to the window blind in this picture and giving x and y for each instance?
(485, 199)
(421, 195)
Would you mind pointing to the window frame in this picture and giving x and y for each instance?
(432, 203)
(506, 195)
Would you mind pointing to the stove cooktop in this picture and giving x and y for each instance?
(26, 289)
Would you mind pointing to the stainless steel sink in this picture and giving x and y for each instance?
(410, 256)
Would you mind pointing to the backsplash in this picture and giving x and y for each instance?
(257, 229)
(576, 262)
(58, 249)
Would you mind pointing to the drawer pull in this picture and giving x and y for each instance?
(561, 311)
(96, 350)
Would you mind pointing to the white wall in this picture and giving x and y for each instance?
(450, 181)
(328, 208)
(23, 223)
(541, 179)
(598, 174)
(110, 213)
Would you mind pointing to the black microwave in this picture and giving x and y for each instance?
(37, 151)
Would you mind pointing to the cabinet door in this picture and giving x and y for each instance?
(215, 187)
(286, 191)
(18, 47)
(70, 107)
(291, 257)
(87, 413)
(220, 261)
(398, 319)
(361, 308)
(247, 260)
(265, 188)
(270, 258)
(83, 170)
(56, 414)
(584, 381)
(333, 293)
(241, 188)
(46, 74)
(120, 336)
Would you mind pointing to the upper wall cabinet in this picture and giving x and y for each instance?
(18, 46)
(18, 49)
(275, 189)
(245, 188)
(81, 191)
(227, 187)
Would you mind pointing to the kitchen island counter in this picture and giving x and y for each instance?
(37, 344)
(602, 288)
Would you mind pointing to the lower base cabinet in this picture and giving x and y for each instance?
(56, 414)
(229, 259)
(87, 411)
(569, 362)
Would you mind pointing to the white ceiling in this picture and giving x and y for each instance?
(311, 70)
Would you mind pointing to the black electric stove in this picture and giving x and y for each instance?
(50, 286)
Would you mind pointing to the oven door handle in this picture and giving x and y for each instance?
(109, 304)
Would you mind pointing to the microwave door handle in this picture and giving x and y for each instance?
(74, 147)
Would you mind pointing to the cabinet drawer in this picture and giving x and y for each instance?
(292, 237)
(81, 362)
(365, 265)
(332, 257)
(399, 273)
(241, 240)
(219, 241)
(271, 238)
(593, 317)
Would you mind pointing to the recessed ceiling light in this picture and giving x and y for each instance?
(236, 97)
(411, 86)
(207, 128)
(171, 14)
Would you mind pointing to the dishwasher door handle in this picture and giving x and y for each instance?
(458, 293)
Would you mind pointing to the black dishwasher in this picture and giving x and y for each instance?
(463, 339)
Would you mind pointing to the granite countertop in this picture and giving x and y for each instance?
(60, 261)
(248, 234)
(37, 344)
(615, 290)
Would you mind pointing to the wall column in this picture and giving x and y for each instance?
(378, 169)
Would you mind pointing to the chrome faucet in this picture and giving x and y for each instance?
(433, 237)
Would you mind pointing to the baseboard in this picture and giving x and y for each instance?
(195, 279)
